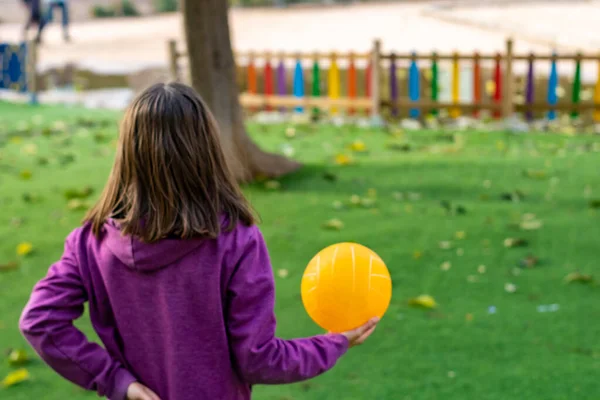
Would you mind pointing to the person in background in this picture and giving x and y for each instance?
(49, 6)
(34, 18)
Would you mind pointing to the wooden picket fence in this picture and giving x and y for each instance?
(278, 81)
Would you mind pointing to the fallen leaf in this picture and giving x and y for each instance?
(358, 146)
(399, 146)
(25, 174)
(78, 193)
(536, 174)
(469, 317)
(481, 269)
(9, 266)
(272, 185)
(355, 199)
(15, 377)
(77, 205)
(24, 249)
(452, 374)
(510, 287)
(531, 225)
(290, 132)
(367, 203)
(282, 273)
(417, 254)
(529, 262)
(578, 277)
(515, 242)
(18, 357)
(412, 196)
(343, 159)
(337, 205)
(423, 301)
(460, 235)
(29, 149)
(372, 193)
(333, 224)
(515, 196)
(446, 265)
(543, 308)
(445, 245)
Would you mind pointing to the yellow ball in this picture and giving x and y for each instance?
(344, 286)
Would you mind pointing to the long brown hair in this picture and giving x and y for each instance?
(170, 177)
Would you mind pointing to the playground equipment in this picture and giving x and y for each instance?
(372, 82)
(18, 68)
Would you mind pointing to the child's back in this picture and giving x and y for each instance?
(177, 277)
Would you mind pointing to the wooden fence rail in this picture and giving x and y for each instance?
(304, 81)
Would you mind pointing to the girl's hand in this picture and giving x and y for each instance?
(137, 391)
(359, 335)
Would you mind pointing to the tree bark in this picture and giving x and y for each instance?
(212, 69)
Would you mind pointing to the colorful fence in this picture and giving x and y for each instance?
(408, 84)
(17, 68)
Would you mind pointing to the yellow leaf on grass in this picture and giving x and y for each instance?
(18, 357)
(15, 377)
(424, 301)
(358, 146)
(24, 248)
(343, 159)
(333, 224)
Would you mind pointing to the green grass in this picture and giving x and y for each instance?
(516, 353)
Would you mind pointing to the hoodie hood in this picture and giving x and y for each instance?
(146, 257)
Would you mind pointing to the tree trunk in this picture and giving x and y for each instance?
(212, 69)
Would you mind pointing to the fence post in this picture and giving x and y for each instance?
(375, 88)
(31, 68)
(508, 99)
(173, 56)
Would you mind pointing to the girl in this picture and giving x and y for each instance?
(176, 273)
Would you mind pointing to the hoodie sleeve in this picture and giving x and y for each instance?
(262, 358)
(47, 324)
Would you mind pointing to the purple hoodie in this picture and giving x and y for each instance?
(191, 319)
